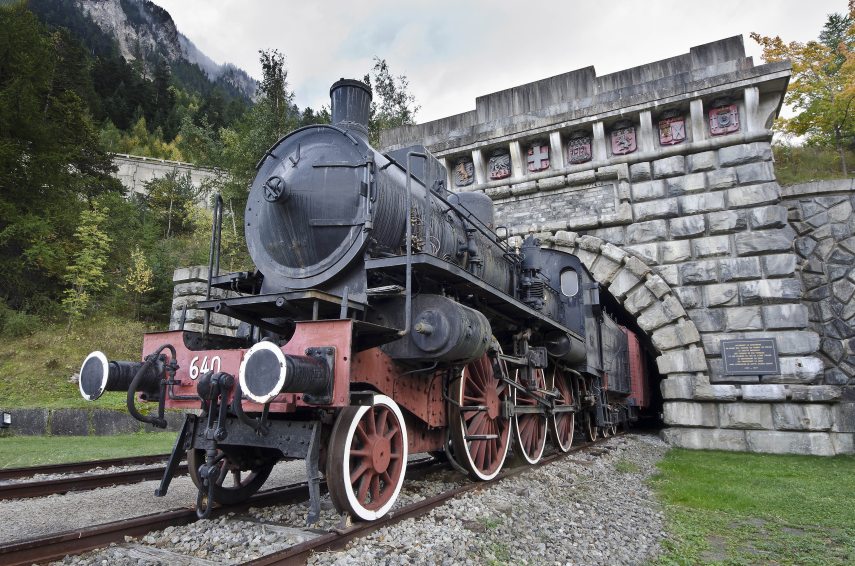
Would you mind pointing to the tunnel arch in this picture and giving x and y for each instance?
(645, 295)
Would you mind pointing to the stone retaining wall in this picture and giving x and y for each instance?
(82, 422)
(822, 215)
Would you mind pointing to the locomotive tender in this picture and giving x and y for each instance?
(385, 317)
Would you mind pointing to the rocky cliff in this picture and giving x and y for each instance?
(146, 32)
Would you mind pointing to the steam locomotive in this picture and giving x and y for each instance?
(385, 317)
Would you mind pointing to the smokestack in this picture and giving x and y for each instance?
(351, 105)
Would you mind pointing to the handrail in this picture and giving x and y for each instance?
(214, 256)
(408, 300)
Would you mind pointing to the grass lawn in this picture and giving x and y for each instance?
(21, 451)
(35, 369)
(735, 508)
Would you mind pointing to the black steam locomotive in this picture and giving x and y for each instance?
(385, 317)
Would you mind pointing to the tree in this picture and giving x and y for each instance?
(392, 104)
(51, 162)
(85, 274)
(139, 279)
(274, 94)
(171, 198)
(199, 143)
(822, 88)
(273, 115)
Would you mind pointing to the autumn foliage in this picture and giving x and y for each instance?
(822, 87)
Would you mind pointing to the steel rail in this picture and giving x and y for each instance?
(299, 554)
(55, 546)
(44, 488)
(74, 467)
(52, 547)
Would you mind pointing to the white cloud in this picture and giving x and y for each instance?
(453, 51)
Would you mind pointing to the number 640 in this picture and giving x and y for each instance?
(196, 370)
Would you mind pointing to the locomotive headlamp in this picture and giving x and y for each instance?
(93, 375)
(266, 371)
(97, 375)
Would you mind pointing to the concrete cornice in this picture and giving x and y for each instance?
(561, 102)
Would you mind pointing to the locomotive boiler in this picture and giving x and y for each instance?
(385, 317)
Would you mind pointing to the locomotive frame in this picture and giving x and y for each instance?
(397, 322)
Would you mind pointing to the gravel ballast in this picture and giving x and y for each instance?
(587, 508)
(592, 507)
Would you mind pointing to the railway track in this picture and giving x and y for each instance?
(76, 467)
(56, 546)
(43, 488)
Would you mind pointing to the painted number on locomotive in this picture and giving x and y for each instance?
(197, 370)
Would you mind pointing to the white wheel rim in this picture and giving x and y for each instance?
(517, 432)
(472, 466)
(553, 423)
(353, 500)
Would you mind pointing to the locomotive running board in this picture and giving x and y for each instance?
(454, 274)
(304, 305)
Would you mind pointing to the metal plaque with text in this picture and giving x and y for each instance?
(757, 356)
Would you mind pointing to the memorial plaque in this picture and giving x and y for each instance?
(579, 149)
(499, 165)
(724, 120)
(464, 172)
(758, 356)
(538, 157)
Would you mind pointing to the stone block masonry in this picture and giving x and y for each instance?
(190, 287)
(709, 246)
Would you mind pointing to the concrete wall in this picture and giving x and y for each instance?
(82, 422)
(696, 239)
(135, 171)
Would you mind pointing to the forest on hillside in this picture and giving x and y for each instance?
(71, 242)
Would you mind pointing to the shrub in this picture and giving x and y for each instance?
(16, 323)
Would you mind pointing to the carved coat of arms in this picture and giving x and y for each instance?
(724, 119)
(579, 149)
(499, 165)
(672, 130)
(623, 138)
(538, 157)
(464, 172)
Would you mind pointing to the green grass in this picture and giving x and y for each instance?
(20, 451)
(736, 508)
(794, 165)
(35, 369)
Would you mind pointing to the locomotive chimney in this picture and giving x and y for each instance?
(351, 105)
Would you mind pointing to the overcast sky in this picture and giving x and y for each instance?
(455, 50)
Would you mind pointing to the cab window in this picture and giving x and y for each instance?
(569, 282)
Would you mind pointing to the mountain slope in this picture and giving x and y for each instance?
(143, 33)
